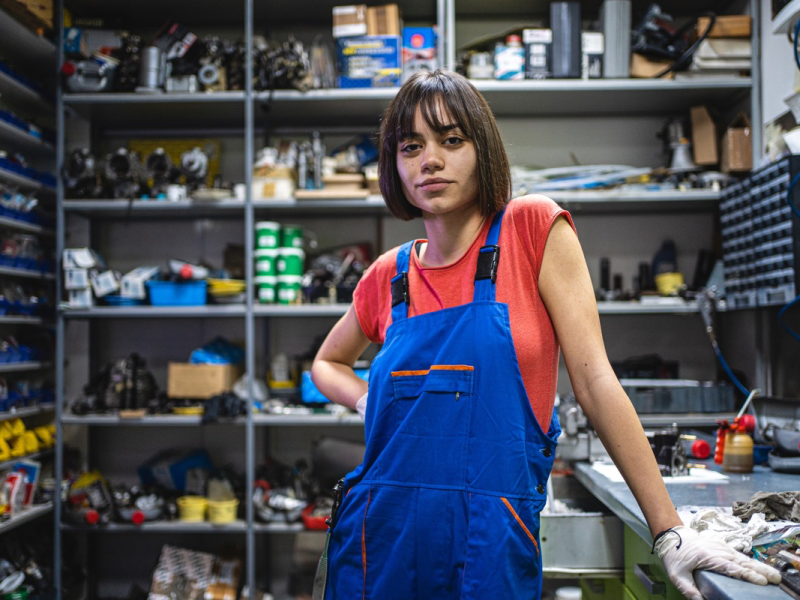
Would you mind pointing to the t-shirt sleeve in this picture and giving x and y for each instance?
(372, 298)
(533, 216)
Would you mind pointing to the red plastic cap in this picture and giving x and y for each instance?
(68, 69)
(137, 518)
(513, 38)
(186, 272)
(701, 449)
(92, 517)
(749, 422)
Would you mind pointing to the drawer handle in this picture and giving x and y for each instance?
(645, 575)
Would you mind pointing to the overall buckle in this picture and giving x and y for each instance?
(488, 260)
(400, 289)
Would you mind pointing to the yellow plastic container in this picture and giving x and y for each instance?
(669, 283)
(192, 509)
(222, 511)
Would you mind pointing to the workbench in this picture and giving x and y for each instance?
(619, 499)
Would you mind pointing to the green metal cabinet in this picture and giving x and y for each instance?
(645, 576)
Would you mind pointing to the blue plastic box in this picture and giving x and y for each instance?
(309, 392)
(173, 293)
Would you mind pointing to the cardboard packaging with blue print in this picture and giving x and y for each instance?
(369, 61)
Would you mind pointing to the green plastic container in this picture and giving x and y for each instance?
(289, 289)
(290, 261)
(268, 234)
(291, 236)
(267, 289)
(266, 262)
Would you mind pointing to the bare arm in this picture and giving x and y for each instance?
(332, 370)
(566, 289)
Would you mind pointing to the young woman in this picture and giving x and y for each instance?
(459, 418)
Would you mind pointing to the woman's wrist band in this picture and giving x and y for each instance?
(662, 534)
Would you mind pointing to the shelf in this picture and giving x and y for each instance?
(786, 20)
(146, 421)
(565, 97)
(609, 201)
(30, 51)
(639, 308)
(160, 527)
(144, 209)
(26, 517)
(25, 226)
(154, 312)
(23, 96)
(23, 139)
(685, 419)
(541, 8)
(24, 182)
(346, 419)
(23, 413)
(26, 273)
(18, 367)
(10, 463)
(19, 320)
(300, 310)
(217, 109)
(291, 528)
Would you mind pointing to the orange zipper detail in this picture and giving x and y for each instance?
(364, 546)
(521, 524)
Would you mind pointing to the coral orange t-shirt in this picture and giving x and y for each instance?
(526, 225)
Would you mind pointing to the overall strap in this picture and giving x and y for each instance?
(400, 297)
(488, 262)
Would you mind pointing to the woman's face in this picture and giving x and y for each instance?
(438, 170)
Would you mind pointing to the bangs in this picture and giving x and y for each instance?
(441, 106)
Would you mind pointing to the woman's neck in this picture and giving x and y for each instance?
(449, 236)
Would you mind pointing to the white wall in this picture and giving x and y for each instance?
(777, 63)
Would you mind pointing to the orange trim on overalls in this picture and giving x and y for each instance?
(521, 524)
(433, 368)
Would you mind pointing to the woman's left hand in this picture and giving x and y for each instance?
(683, 550)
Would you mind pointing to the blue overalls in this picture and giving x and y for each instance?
(446, 503)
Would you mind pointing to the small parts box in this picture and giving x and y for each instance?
(186, 380)
(172, 293)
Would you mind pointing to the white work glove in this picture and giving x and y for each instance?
(361, 406)
(682, 555)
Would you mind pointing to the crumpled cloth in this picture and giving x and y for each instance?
(712, 523)
(776, 506)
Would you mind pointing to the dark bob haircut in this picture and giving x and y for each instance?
(461, 104)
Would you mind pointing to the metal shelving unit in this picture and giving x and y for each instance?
(27, 273)
(786, 20)
(35, 456)
(24, 182)
(18, 367)
(25, 412)
(25, 226)
(26, 517)
(23, 139)
(20, 320)
(234, 114)
(15, 90)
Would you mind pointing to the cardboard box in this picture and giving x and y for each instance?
(42, 10)
(186, 380)
(538, 53)
(104, 283)
(369, 61)
(704, 137)
(646, 68)
(133, 283)
(80, 258)
(592, 50)
(76, 279)
(349, 21)
(419, 50)
(80, 298)
(383, 20)
(726, 26)
(737, 146)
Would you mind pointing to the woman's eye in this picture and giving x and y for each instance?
(409, 148)
(453, 141)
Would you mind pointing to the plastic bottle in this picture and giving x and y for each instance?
(738, 456)
(509, 60)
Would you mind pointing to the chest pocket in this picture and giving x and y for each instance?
(441, 389)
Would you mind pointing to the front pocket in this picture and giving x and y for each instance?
(521, 524)
(439, 383)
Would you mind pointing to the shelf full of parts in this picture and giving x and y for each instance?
(101, 208)
(27, 297)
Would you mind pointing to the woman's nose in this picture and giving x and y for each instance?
(432, 160)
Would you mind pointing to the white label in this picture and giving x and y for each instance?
(542, 36)
(592, 42)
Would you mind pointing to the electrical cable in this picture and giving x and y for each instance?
(729, 371)
(681, 61)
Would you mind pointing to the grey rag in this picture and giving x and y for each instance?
(776, 506)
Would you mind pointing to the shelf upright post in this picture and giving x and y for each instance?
(756, 117)
(450, 34)
(60, 326)
(441, 16)
(249, 319)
